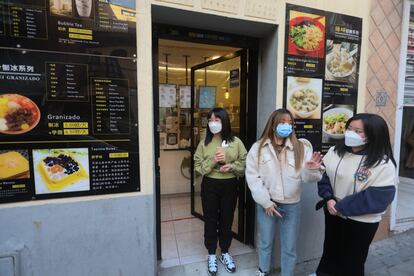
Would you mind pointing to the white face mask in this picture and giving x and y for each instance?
(215, 127)
(352, 139)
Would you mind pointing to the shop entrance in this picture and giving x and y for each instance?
(403, 215)
(219, 82)
(192, 76)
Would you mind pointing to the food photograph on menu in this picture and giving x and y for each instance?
(73, 8)
(304, 97)
(334, 121)
(61, 170)
(14, 164)
(306, 34)
(18, 114)
(341, 61)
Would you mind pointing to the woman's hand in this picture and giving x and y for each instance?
(218, 157)
(331, 207)
(271, 211)
(226, 168)
(315, 162)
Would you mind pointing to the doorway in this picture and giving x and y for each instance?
(219, 82)
(403, 217)
(192, 76)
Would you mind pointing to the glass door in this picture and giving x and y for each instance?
(219, 83)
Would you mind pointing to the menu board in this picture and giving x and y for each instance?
(321, 69)
(99, 27)
(68, 125)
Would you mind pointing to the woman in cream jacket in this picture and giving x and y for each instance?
(276, 167)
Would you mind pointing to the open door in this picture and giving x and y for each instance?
(220, 82)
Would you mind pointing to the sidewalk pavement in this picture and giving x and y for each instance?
(391, 257)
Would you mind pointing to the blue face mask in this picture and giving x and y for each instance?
(283, 130)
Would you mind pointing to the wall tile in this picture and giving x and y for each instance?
(375, 62)
(393, 41)
(383, 52)
(378, 15)
(394, 18)
(376, 39)
(387, 6)
(385, 28)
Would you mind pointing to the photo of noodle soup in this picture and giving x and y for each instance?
(334, 121)
(306, 35)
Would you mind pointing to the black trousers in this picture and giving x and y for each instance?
(346, 245)
(219, 198)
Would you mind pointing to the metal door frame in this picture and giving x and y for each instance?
(243, 99)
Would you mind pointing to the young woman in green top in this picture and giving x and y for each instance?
(220, 159)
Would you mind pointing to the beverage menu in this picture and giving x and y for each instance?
(68, 99)
(79, 26)
(322, 53)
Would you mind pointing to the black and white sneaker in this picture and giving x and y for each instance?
(259, 272)
(227, 260)
(212, 265)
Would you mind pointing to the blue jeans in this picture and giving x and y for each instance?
(289, 228)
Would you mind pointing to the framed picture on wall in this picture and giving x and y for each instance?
(207, 97)
(168, 95)
(204, 119)
(185, 96)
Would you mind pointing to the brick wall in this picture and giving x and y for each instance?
(383, 62)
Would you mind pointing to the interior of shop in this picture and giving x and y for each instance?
(405, 208)
(215, 85)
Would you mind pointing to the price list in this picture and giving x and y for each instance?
(110, 106)
(29, 2)
(106, 19)
(67, 82)
(28, 22)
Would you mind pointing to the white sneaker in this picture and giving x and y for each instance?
(313, 274)
(228, 262)
(260, 273)
(212, 265)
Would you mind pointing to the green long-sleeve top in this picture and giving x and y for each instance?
(235, 154)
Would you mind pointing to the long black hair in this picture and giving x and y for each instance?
(225, 126)
(378, 146)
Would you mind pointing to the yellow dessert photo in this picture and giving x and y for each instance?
(13, 165)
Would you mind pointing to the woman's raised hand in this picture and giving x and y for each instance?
(315, 162)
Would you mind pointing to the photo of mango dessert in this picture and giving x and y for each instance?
(14, 165)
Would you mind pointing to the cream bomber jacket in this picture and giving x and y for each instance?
(272, 179)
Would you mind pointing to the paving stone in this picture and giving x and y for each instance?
(391, 257)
